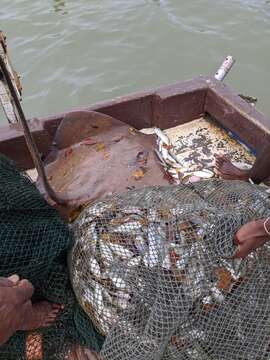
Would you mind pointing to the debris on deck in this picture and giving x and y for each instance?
(190, 149)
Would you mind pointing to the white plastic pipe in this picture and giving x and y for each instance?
(224, 68)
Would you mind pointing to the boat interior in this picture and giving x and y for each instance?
(109, 147)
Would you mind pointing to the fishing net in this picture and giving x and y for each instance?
(33, 244)
(153, 270)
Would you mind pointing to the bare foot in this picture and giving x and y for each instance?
(41, 314)
(226, 170)
(81, 353)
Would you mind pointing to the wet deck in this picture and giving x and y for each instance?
(196, 142)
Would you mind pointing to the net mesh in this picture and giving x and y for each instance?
(34, 243)
(153, 270)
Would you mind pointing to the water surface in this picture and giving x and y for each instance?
(75, 53)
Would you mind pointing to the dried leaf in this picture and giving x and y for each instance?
(142, 157)
(138, 174)
(185, 226)
(179, 343)
(209, 307)
(179, 275)
(174, 258)
(225, 279)
(144, 222)
(100, 147)
(106, 156)
(165, 213)
(119, 221)
(132, 130)
(105, 236)
(74, 214)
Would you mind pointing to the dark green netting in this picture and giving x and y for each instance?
(33, 244)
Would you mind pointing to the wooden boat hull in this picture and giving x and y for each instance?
(165, 107)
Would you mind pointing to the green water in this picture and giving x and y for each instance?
(75, 53)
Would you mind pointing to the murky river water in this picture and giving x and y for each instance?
(77, 52)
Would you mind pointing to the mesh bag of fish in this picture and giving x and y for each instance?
(154, 270)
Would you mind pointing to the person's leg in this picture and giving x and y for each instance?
(259, 172)
(261, 168)
(41, 314)
(17, 311)
(226, 170)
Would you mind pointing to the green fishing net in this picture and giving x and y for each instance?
(33, 244)
(151, 269)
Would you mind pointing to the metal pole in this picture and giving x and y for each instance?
(224, 68)
(29, 138)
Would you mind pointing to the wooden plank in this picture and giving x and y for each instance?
(236, 114)
(179, 103)
(165, 107)
(134, 109)
(12, 142)
(170, 104)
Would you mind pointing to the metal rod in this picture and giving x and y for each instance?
(224, 68)
(30, 140)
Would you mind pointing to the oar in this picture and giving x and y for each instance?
(31, 144)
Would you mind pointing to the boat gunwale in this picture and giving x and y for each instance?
(165, 107)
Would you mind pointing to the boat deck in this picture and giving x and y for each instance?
(196, 142)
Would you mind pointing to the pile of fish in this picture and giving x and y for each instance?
(168, 158)
(153, 269)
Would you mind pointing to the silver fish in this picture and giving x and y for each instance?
(140, 244)
(196, 334)
(160, 158)
(106, 251)
(207, 300)
(118, 282)
(167, 262)
(133, 210)
(164, 152)
(127, 227)
(107, 320)
(98, 298)
(93, 294)
(234, 267)
(99, 208)
(162, 136)
(205, 174)
(94, 267)
(182, 263)
(197, 352)
(155, 247)
(121, 251)
(91, 237)
(217, 294)
(122, 300)
(134, 262)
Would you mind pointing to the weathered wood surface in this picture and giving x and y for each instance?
(164, 107)
(12, 142)
(237, 115)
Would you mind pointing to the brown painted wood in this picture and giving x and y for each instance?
(236, 114)
(134, 109)
(164, 107)
(179, 103)
(12, 142)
